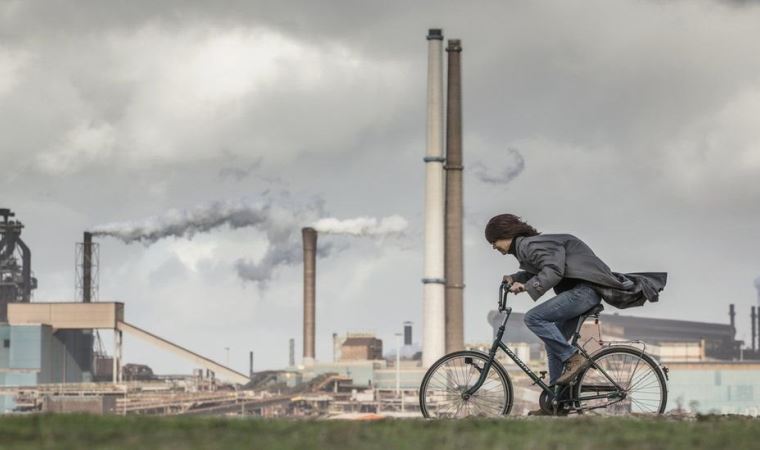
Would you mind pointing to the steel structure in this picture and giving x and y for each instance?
(107, 315)
(16, 280)
(87, 265)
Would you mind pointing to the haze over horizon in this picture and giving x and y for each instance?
(631, 124)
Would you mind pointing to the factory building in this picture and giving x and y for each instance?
(36, 354)
(52, 342)
(32, 354)
(673, 339)
(361, 347)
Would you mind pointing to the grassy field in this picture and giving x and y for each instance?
(94, 432)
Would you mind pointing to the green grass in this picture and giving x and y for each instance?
(111, 432)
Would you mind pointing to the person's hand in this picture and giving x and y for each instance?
(508, 279)
(517, 287)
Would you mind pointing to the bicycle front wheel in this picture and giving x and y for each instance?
(449, 377)
(642, 384)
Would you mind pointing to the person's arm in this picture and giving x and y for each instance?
(549, 258)
(521, 277)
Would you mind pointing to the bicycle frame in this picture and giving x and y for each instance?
(498, 344)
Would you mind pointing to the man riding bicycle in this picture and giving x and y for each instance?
(580, 281)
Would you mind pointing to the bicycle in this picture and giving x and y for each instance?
(618, 380)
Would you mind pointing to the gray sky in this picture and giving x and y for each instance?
(636, 122)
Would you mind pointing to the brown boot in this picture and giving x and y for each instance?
(573, 367)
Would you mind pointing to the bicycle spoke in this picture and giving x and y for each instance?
(443, 388)
(639, 380)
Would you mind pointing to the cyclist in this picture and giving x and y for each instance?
(580, 281)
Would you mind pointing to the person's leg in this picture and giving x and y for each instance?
(543, 320)
(567, 328)
(555, 365)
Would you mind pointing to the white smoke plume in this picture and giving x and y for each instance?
(512, 165)
(278, 218)
(362, 226)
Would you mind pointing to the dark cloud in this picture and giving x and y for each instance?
(638, 135)
(237, 173)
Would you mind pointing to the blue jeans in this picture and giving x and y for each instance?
(554, 322)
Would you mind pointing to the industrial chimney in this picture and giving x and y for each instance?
(87, 262)
(87, 268)
(292, 353)
(407, 333)
(753, 316)
(757, 287)
(454, 254)
(433, 303)
(335, 346)
(309, 292)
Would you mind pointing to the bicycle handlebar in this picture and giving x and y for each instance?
(503, 291)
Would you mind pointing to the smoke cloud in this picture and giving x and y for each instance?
(290, 252)
(201, 219)
(362, 226)
(284, 254)
(514, 164)
(277, 217)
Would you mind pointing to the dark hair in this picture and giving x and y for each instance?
(507, 226)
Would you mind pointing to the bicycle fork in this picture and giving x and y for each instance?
(491, 356)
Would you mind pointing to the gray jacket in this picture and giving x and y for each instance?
(546, 259)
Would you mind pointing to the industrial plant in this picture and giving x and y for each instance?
(52, 358)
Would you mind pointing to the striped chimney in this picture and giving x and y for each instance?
(454, 253)
(433, 307)
(309, 292)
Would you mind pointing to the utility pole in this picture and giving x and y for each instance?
(398, 364)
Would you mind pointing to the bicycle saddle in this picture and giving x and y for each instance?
(594, 311)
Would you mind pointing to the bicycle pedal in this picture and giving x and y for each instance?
(542, 377)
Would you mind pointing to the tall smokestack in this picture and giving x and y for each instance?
(250, 364)
(407, 333)
(732, 319)
(753, 315)
(433, 303)
(309, 292)
(454, 254)
(87, 268)
(292, 356)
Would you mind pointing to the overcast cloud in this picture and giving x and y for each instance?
(636, 123)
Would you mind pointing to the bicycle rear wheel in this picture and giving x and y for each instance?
(449, 377)
(643, 384)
